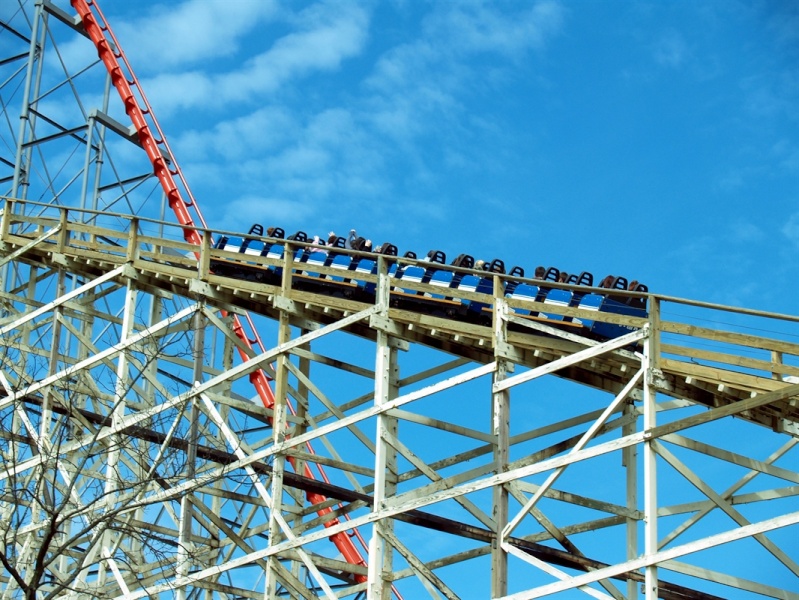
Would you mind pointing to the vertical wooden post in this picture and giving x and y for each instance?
(133, 240)
(378, 587)
(63, 234)
(204, 263)
(651, 359)
(279, 422)
(776, 357)
(500, 430)
(185, 543)
(5, 222)
(630, 463)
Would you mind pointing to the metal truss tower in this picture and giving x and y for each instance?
(404, 456)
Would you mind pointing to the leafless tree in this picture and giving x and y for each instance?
(77, 481)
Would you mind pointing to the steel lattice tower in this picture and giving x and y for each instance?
(510, 459)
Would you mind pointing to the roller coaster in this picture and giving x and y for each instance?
(372, 400)
(460, 275)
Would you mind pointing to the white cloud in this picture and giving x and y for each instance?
(171, 93)
(325, 36)
(300, 160)
(671, 50)
(763, 98)
(330, 158)
(786, 153)
(191, 32)
(745, 231)
(319, 154)
(784, 22)
(240, 138)
(475, 27)
(326, 161)
(455, 33)
(791, 230)
(417, 85)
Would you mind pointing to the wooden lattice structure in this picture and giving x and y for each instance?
(511, 458)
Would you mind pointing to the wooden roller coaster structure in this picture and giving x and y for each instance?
(163, 461)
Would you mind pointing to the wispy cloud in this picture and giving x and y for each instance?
(405, 108)
(322, 37)
(772, 88)
(327, 161)
(240, 138)
(327, 35)
(671, 50)
(772, 93)
(784, 22)
(471, 28)
(791, 230)
(188, 33)
(417, 84)
(786, 154)
(745, 231)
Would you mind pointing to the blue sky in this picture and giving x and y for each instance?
(656, 140)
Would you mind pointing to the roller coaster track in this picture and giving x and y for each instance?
(634, 465)
(165, 267)
(173, 267)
